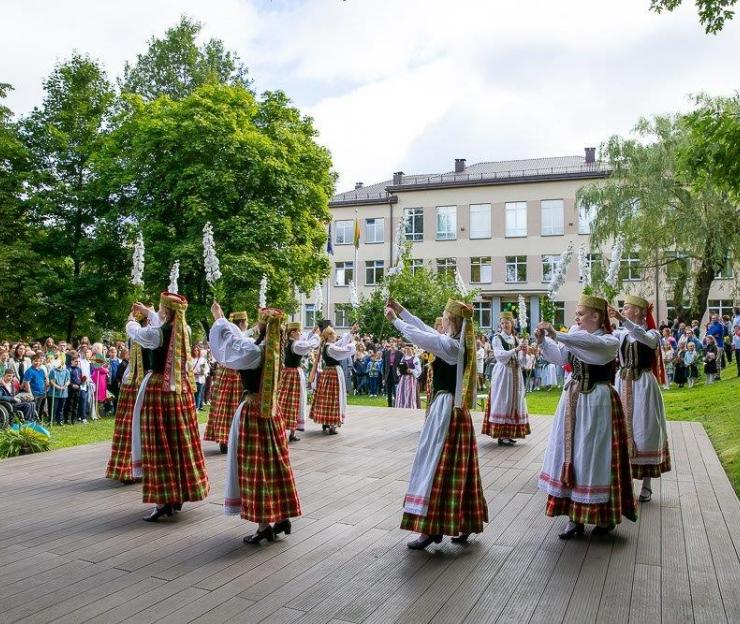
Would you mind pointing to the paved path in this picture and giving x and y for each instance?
(73, 547)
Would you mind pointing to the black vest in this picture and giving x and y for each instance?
(290, 359)
(156, 359)
(636, 356)
(590, 374)
(328, 360)
(444, 377)
(506, 346)
(251, 380)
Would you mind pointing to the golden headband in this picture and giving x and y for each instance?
(238, 316)
(173, 301)
(636, 301)
(459, 308)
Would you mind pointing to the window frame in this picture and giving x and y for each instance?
(344, 268)
(377, 264)
(626, 267)
(413, 217)
(583, 209)
(453, 214)
(350, 236)
(515, 207)
(481, 308)
(480, 264)
(344, 309)
(545, 278)
(543, 202)
(486, 210)
(367, 220)
(449, 266)
(306, 313)
(517, 265)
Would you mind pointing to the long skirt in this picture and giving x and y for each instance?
(407, 392)
(172, 462)
(506, 409)
(226, 393)
(327, 406)
(680, 375)
(119, 464)
(292, 398)
(455, 503)
(260, 485)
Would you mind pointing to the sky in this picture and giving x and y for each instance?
(413, 84)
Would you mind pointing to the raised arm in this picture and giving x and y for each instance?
(590, 348)
(231, 348)
(442, 346)
(646, 337)
(342, 349)
(305, 344)
(415, 321)
(554, 352)
(148, 337)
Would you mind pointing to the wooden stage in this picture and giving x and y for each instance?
(73, 547)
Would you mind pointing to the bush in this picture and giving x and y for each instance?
(22, 441)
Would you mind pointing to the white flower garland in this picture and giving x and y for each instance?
(174, 276)
(459, 283)
(210, 259)
(558, 275)
(354, 300)
(584, 267)
(612, 274)
(137, 268)
(318, 299)
(522, 313)
(263, 292)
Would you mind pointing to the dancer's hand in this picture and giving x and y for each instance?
(615, 314)
(390, 314)
(216, 311)
(394, 305)
(140, 308)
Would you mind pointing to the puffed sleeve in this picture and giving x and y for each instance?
(305, 344)
(501, 354)
(342, 349)
(231, 348)
(646, 337)
(598, 349)
(441, 345)
(415, 321)
(148, 337)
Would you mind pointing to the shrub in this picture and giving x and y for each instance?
(22, 441)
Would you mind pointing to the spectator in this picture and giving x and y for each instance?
(34, 381)
(99, 376)
(4, 360)
(199, 365)
(690, 357)
(679, 331)
(375, 373)
(669, 354)
(711, 355)
(667, 337)
(736, 347)
(72, 409)
(728, 338)
(113, 363)
(716, 330)
(83, 402)
(391, 360)
(59, 380)
(9, 393)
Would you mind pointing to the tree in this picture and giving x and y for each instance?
(249, 166)
(712, 13)
(175, 65)
(651, 203)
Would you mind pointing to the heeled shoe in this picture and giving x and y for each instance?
(577, 530)
(644, 498)
(333, 431)
(293, 438)
(255, 539)
(284, 526)
(224, 448)
(421, 544)
(159, 512)
(506, 442)
(460, 539)
(603, 530)
(177, 506)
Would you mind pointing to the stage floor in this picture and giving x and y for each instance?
(73, 547)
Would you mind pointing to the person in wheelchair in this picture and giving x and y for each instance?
(13, 400)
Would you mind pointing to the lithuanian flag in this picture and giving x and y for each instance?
(357, 233)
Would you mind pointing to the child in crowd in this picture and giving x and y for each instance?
(99, 375)
(75, 381)
(668, 356)
(375, 373)
(59, 380)
(689, 361)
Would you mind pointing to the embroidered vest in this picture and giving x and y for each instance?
(328, 360)
(590, 374)
(637, 357)
(290, 359)
(444, 377)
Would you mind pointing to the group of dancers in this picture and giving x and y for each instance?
(602, 435)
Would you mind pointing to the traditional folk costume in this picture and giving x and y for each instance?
(329, 405)
(259, 479)
(292, 394)
(506, 414)
(586, 471)
(407, 388)
(226, 395)
(165, 441)
(429, 379)
(445, 495)
(640, 362)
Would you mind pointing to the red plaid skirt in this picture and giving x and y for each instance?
(504, 430)
(227, 394)
(119, 464)
(456, 502)
(268, 489)
(641, 471)
(172, 457)
(289, 397)
(325, 406)
(621, 497)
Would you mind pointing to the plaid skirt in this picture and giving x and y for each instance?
(621, 497)
(504, 430)
(119, 464)
(172, 458)
(289, 398)
(266, 482)
(325, 408)
(226, 396)
(642, 471)
(456, 502)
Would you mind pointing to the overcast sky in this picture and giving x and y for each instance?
(412, 84)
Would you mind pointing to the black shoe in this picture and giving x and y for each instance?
(600, 530)
(421, 544)
(159, 512)
(577, 530)
(284, 526)
(324, 427)
(333, 431)
(460, 539)
(506, 442)
(224, 448)
(255, 539)
(177, 506)
(293, 438)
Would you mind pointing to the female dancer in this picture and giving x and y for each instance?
(407, 389)
(445, 496)
(292, 391)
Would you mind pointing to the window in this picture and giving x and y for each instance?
(416, 263)
(341, 314)
(374, 230)
(482, 313)
(309, 315)
(549, 264)
(446, 222)
(516, 268)
(446, 265)
(559, 318)
(480, 270)
(480, 220)
(676, 265)
(343, 232)
(345, 273)
(671, 313)
(586, 218)
(552, 217)
(631, 269)
(720, 306)
(592, 260)
(726, 271)
(373, 272)
(516, 218)
(414, 218)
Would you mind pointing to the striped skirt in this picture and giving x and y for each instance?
(226, 396)
(119, 464)
(172, 459)
(289, 398)
(326, 406)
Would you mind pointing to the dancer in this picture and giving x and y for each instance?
(292, 395)
(165, 441)
(445, 495)
(226, 395)
(506, 414)
(586, 472)
(259, 480)
(407, 389)
(641, 368)
(329, 405)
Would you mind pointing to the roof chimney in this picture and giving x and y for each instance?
(590, 155)
(459, 165)
(397, 178)
(358, 185)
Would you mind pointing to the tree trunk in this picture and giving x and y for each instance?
(702, 282)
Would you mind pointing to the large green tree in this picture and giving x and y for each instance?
(713, 14)
(688, 234)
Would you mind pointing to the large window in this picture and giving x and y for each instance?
(414, 218)
(374, 230)
(343, 232)
(552, 217)
(309, 315)
(631, 269)
(586, 216)
(446, 265)
(480, 270)
(480, 220)
(341, 314)
(373, 272)
(416, 263)
(516, 218)
(516, 269)
(344, 273)
(446, 222)
(549, 264)
(482, 313)
(720, 306)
